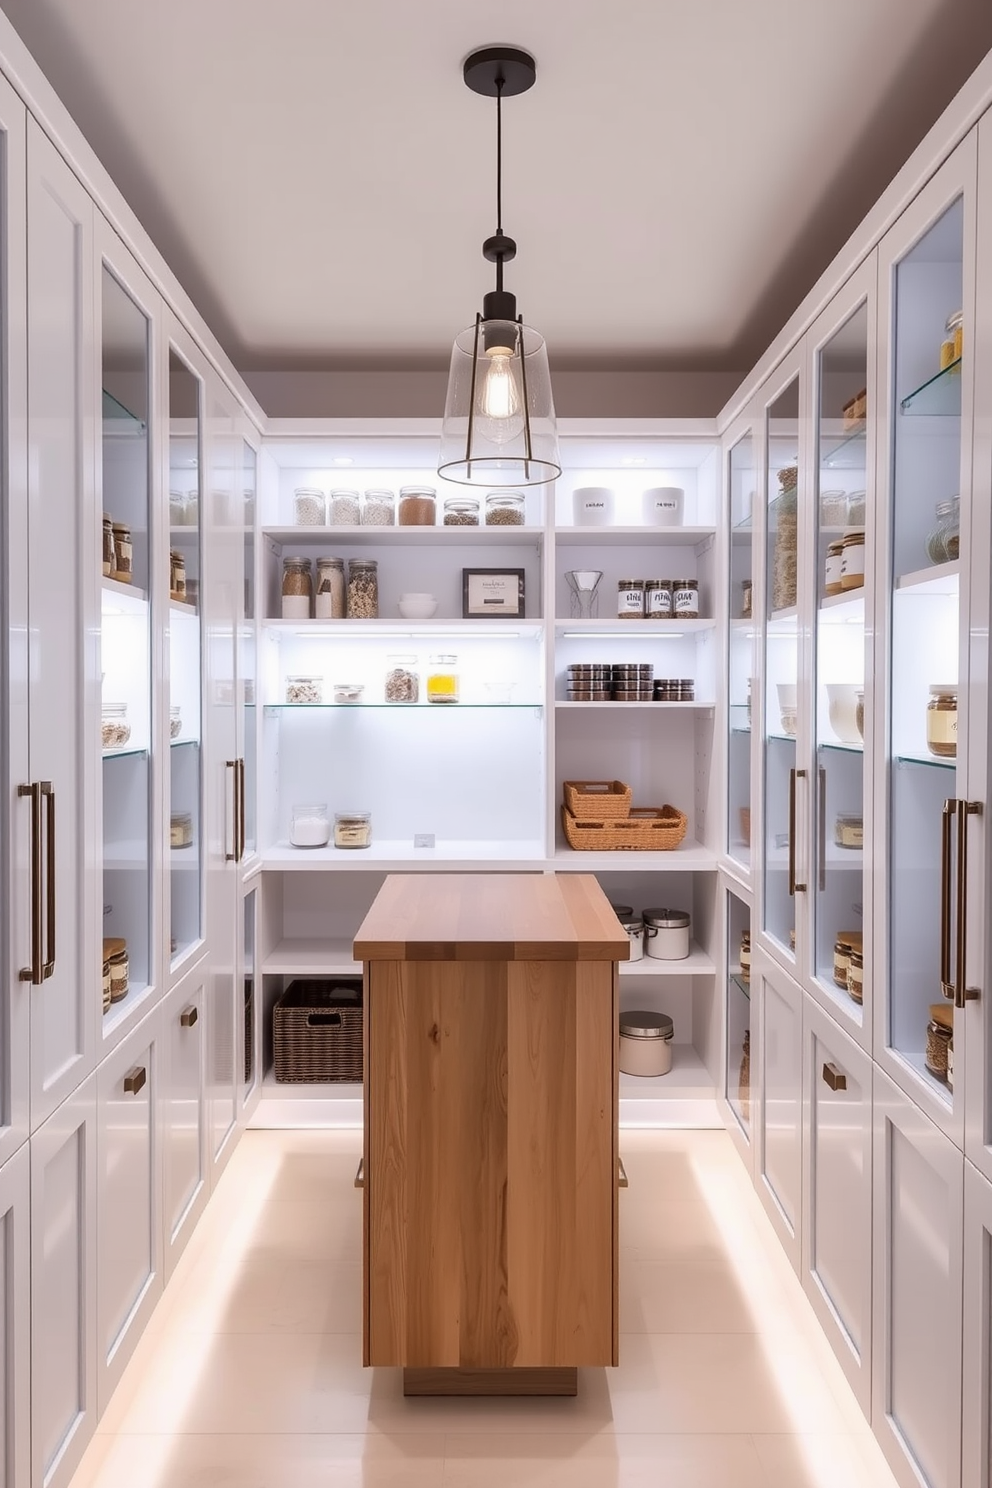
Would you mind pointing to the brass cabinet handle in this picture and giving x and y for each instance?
(241, 808)
(134, 1080)
(188, 1017)
(947, 813)
(834, 1077)
(360, 1174)
(35, 972)
(822, 826)
(48, 793)
(794, 886)
(622, 1180)
(232, 857)
(962, 993)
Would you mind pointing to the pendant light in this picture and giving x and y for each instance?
(499, 416)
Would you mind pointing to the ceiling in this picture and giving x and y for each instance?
(320, 180)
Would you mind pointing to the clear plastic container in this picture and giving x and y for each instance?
(442, 679)
(461, 511)
(378, 509)
(349, 692)
(310, 826)
(175, 722)
(344, 509)
(944, 538)
(309, 507)
(363, 589)
(304, 690)
(418, 506)
(505, 509)
(115, 728)
(181, 829)
(402, 679)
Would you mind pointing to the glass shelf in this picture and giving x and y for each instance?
(741, 985)
(183, 743)
(841, 747)
(939, 396)
(783, 739)
(109, 754)
(404, 707)
(845, 451)
(929, 762)
(121, 418)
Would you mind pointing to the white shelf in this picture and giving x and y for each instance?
(134, 599)
(653, 706)
(182, 607)
(508, 629)
(688, 1078)
(691, 857)
(641, 630)
(389, 856)
(936, 579)
(838, 609)
(787, 618)
(613, 537)
(697, 963)
(403, 537)
(312, 957)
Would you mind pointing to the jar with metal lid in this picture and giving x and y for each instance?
(297, 589)
(115, 730)
(746, 957)
(177, 509)
(622, 911)
(363, 589)
(461, 511)
(107, 998)
(746, 589)
(418, 505)
(846, 942)
(687, 690)
(852, 559)
(123, 569)
(953, 343)
(630, 599)
(344, 509)
(303, 689)
(378, 509)
(310, 826)
(352, 829)
(181, 829)
(309, 506)
(108, 546)
(442, 679)
(329, 602)
(685, 599)
(402, 680)
(115, 954)
(940, 1031)
(646, 1043)
(658, 599)
(849, 829)
(944, 539)
(832, 580)
(666, 934)
(505, 509)
(942, 720)
(177, 581)
(634, 926)
(175, 721)
(856, 975)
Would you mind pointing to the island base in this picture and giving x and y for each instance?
(550, 1381)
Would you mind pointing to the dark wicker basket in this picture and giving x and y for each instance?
(317, 1032)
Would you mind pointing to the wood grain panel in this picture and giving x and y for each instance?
(386, 1173)
(596, 1026)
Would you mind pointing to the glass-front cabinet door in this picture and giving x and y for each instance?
(840, 789)
(247, 667)
(185, 661)
(926, 271)
(741, 498)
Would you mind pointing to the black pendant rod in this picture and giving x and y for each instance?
(499, 178)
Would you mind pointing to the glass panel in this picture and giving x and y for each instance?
(246, 649)
(738, 1087)
(925, 636)
(251, 1010)
(125, 651)
(742, 490)
(781, 640)
(838, 885)
(185, 665)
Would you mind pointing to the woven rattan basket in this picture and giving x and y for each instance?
(597, 800)
(317, 1032)
(647, 829)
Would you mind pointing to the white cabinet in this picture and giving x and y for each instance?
(837, 1148)
(977, 1393)
(63, 1287)
(918, 1178)
(15, 1319)
(778, 1155)
(129, 1249)
(182, 1112)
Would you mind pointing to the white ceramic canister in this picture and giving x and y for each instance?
(592, 506)
(662, 506)
(666, 934)
(646, 1043)
(634, 926)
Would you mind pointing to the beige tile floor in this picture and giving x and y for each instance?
(249, 1374)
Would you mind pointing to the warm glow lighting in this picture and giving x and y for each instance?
(498, 401)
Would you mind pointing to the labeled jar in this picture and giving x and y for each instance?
(363, 589)
(666, 934)
(944, 539)
(849, 829)
(852, 559)
(107, 984)
(833, 571)
(352, 829)
(856, 976)
(658, 599)
(344, 509)
(181, 829)
(304, 689)
(662, 506)
(115, 730)
(297, 589)
(402, 680)
(630, 599)
(461, 511)
(310, 826)
(634, 926)
(329, 601)
(378, 509)
(442, 679)
(942, 720)
(309, 507)
(418, 505)
(505, 509)
(177, 581)
(746, 957)
(940, 1031)
(592, 506)
(123, 568)
(116, 957)
(108, 546)
(175, 722)
(846, 942)
(685, 599)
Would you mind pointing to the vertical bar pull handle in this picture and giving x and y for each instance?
(822, 825)
(232, 857)
(947, 815)
(962, 992)
(794, 886)
(34, 972)
(48, 793)
(241, 808)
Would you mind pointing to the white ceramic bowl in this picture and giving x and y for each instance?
(842, 701)
(417, 606)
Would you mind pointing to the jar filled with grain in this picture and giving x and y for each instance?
(108, 546)
(309, 506)
(461, 511)
(418, 505)
(630, 599)
(402, 680)
(942, 720)
(107, 999)
(363, 589)
(685, 599)
(115, 954)
(181, 829)
(329, 601)
(352, 829)
(658, 599)
(378, 509)
(297, 589)
(177, 581)
(123, 569)
(344, 509)
(746, 957)
(115, 730)
(856, 975)
(940, 1031)
(852, 559)
(505, 509)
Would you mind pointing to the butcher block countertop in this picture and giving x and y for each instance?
(491, 917)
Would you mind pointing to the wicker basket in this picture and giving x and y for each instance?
(597, 800)
(647, 829)
(317, 1032)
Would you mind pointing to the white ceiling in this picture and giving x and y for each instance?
(321, 180)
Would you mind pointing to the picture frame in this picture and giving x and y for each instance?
(493, 593)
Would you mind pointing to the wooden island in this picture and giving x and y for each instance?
(491, 1104)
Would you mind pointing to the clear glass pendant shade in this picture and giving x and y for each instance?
(499, 416)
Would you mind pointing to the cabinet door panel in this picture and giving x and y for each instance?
(780, 1106)
(183, 1124)
(15, 1319)
(977, 1435)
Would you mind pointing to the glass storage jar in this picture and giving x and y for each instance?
(363, 589)
(115, 954)
(846, 942)
(859, 714)
(310, 826)
(115, 731)
(417, 506)
(630, 599)
(175, 722)
(940, 1031)
(177, 581)
(378, 509)
(857, 505)
(746, 957)
(856, 976)
(328, 602)
(685, 599)
(849, 829)
(461, 511)
(177, 509)
(746, 587)
(954, 330)
(942, 720)
(108, 546)
(402, 680)
(442, 679)
(852, 559)
(349, 692)
(944, 538)
(505, 509)
(309, 507)
(123, 569)
(658, 599)
(833, 508)
(304, 690)
(344, 509)
(107, 998)
(832, 582)
(297, 589)
(352, 829)
(181, 829)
